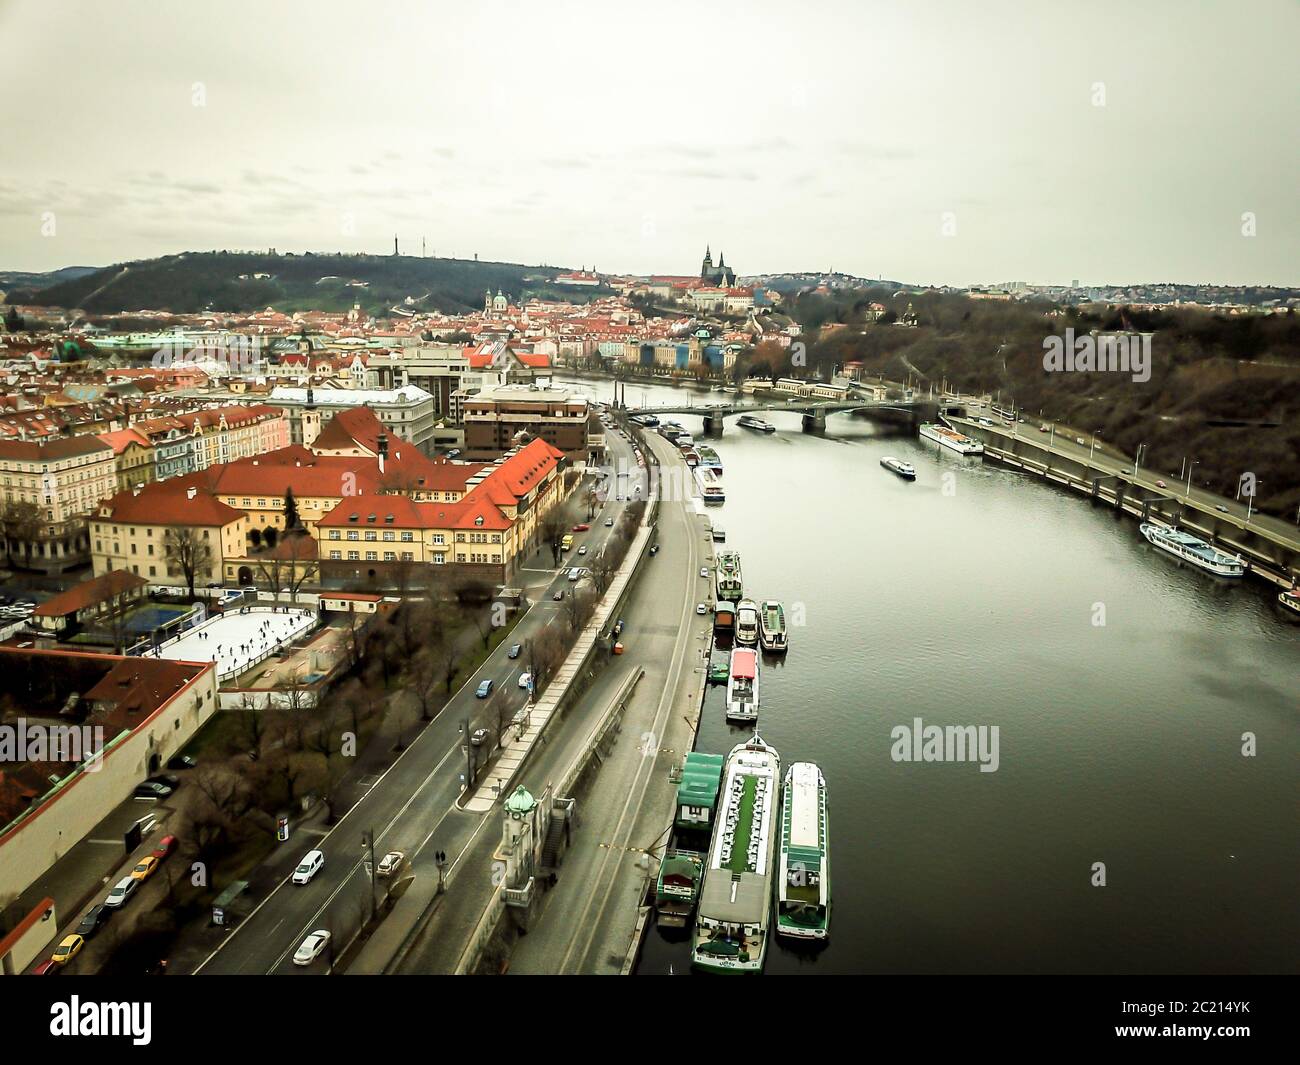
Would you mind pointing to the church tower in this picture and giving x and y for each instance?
(706, 268)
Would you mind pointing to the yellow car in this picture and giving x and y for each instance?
(147, 867)
(67, 950)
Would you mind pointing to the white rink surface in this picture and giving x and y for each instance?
(238, 641)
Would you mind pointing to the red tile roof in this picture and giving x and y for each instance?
(89, 593)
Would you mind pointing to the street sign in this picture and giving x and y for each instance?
(282, 829)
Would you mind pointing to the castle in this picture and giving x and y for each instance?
(721, 276)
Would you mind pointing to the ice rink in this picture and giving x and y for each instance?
(239, 638)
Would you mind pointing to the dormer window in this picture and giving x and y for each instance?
(478, 520)
(352, 517)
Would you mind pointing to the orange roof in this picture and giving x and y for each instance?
(89, 593)
(168, 503)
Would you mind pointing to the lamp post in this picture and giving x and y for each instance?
(1137, 459)
(1094, 445)
(1250, 500)
(1188, 494)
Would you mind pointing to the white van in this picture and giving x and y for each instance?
(308, 867)
(575, 574)
(122, 891)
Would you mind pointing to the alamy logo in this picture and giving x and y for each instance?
(1111, 353)
(946, 743)
(25, 741)
(77, 1018)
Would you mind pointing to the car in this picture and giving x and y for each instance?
(654, 549)
(581, 527)
(165, 846)
(525, 679)
(1161, 484)
(559, 594)
(618, 648)
(308, 867)
(582, 550)
(49, 967)
(484, 689)
(700, 608)
(1079, 440)
(390, 863)
(170, 780)
(515, 649)
(478, 737)
(609, 523)
(122, 892)
(1126, 471)
(311, 947)
(94, 920)
(145, 868)
(1044, 428)
(704, 571)
(1220, 508)
(151, 790)
(575, 574)
(67, 950)
(618, 627)
(181, 761)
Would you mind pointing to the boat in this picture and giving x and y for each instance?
(803, 887)
(727, 586)
(719, 673)
(1291, 598)
(724, 616)
(747, 622)
(742, 685)
(904, 469)
(732, 919)
(718, 534)
(697, 792)
(709, 458)
(951, 439)
(711, 490)
(1193, 549)
(691, 456)
(748, 421)
(771, 626)
(680, 875)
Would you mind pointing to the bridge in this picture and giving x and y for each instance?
(814, 411)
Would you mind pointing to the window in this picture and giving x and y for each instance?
(389, 535)
(335, 555)
(407, 536)
(354, 556)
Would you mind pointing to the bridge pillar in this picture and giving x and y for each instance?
(814, 421)
(713, 425)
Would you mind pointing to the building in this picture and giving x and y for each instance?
(133, 457)
(49, 489)
(408, 411)
(89, 727)
(499, 419)
(721, 276)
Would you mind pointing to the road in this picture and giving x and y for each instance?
(410, 807)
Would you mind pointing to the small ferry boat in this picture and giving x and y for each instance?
(1291, 599)
(732, 920)
(727, 586)
(951, 439)
(742, 686)
(1193, 549)
(747, 622)
(803, 893)
(748, 421)
(904, 469)
(691, 456)
(771, 626)
(724, 616)
(680, 875)
(719, 673)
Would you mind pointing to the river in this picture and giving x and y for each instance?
(974, 600)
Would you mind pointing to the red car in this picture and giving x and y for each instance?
(165, 846)
(49, 967)
(581, 527)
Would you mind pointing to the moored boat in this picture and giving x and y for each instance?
(1290, 599)
(724, 616)
(771, 626)
(727, 584)
(697, 792)
(709, 458)
(742, 685)
(803, 891)
(732, 919)
(951, 439)
(904, 469)
(680, 875)
(711, 490)
(1193, 549)
(747, 622)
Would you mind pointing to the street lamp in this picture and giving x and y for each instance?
(1250, 499)
(1137, 460)
(1094, 445)
(1188, 494)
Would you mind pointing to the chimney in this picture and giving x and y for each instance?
(191, 492)
(383, 450)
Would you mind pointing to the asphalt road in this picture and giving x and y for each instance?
(412, 806)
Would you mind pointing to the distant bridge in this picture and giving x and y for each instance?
(814, 411)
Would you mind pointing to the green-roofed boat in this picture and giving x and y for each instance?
(732, 922)
(803, 899)
(697, 792)
(680, 875)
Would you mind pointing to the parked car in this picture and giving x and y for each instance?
(700, 608)
(390, 863)
(559, 594)
(1161, 484)
(152, 790)
(525, 679)
(122, 891)
(1220, 508)
(582, 550)
(582, 526)
(609, 523)
(515, 648)
(484, 689)
(49, 967)
(312, 947)
(1044, 428)
(67, 950)
(1079, 440)
(94, 920)
(654, 549)
(170, 780)
(181, 761)
(704, 571)
(145, 868)
(308, 867)
(478, 737)
(165, 846)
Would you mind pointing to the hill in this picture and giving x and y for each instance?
(24, 279)
(244, 281)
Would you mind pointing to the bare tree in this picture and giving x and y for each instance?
(187, 551)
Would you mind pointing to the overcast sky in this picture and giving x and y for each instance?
(801, 136)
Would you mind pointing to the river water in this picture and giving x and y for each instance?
(974, 599)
